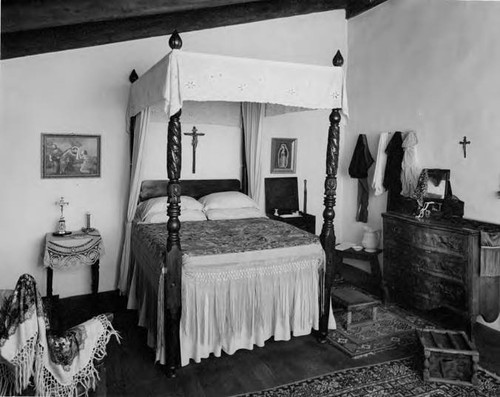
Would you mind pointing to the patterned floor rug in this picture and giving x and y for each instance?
(398, 378)
(395, 328)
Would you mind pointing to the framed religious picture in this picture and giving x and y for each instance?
(71, 156)
(283, 155)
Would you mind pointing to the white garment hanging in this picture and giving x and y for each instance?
(410, 166)
(378, 176)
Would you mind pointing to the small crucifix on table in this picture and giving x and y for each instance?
(464, 142)
(194, 143)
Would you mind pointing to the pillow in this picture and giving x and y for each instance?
(186, 216)
(227, 200)
(160, 204)
(233, 213)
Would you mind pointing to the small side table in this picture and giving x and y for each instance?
(77, 248)
(371, 282)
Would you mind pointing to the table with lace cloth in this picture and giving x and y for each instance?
(75, 249)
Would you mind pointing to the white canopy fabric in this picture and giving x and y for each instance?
(187, 76)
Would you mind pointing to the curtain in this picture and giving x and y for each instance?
(253, 118)
(141, 127)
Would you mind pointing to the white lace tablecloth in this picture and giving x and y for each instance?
(78, 248)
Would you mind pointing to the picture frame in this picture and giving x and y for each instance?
(70, 156)
(283, 155)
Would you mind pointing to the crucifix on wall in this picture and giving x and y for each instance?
(464, 142)
(194, 143)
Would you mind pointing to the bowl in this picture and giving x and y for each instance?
(357, 248)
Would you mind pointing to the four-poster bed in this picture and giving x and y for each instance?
(178, 78)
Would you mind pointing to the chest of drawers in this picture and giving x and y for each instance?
(430, 264)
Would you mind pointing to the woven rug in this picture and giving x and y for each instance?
(394, 328)
(398, 378)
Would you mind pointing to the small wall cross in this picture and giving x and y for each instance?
(194, 143)
(464, 142)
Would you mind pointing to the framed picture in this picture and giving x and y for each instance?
(71, 156)
(283, 155)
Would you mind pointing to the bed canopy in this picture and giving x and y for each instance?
(185, 76)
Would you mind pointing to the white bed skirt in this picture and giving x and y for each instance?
(237, 301)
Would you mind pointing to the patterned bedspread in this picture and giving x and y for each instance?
(217, 237)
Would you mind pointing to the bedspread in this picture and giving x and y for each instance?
(243, 281)
(227, 236)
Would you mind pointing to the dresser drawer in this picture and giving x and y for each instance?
(419, 287)
(427, 238)
(432, 262)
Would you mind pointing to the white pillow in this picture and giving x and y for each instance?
(160, 204)
(233, 213)
(188, 215)
(227, 200)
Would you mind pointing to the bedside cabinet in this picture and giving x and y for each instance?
(304, 221)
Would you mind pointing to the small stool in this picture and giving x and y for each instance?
(354, 300)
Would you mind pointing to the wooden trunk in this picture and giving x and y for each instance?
(449, 357)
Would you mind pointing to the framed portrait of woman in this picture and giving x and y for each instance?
(283, 155)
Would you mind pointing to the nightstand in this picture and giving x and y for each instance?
(77, 248)
(303, 221)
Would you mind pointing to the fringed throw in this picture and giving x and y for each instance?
(56, 365)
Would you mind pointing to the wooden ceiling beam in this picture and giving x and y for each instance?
(19, 16)
(37, 41)
(356, 7)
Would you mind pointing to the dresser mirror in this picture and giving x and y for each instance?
(438, 186)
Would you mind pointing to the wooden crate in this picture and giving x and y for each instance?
(449, 357)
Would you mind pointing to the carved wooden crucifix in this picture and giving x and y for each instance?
(194, 143)
(464, 142)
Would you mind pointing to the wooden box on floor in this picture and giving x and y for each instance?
(449, 357)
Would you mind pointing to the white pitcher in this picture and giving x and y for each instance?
(370, 239)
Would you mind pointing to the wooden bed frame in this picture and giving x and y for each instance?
(173, 188)
(190, 187)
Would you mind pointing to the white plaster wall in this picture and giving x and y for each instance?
(85, 91)
(431, 66)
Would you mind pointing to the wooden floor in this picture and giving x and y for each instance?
(130, 370)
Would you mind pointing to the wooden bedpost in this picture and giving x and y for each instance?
(327, 236)
(133, 77)
(244, 171)
(173, 262)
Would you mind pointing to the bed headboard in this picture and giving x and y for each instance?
(190, 187)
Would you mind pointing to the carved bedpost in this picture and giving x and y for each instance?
(327, 236)
(173, 263)
(133, 77)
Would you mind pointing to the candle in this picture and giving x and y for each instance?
(88, 220)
